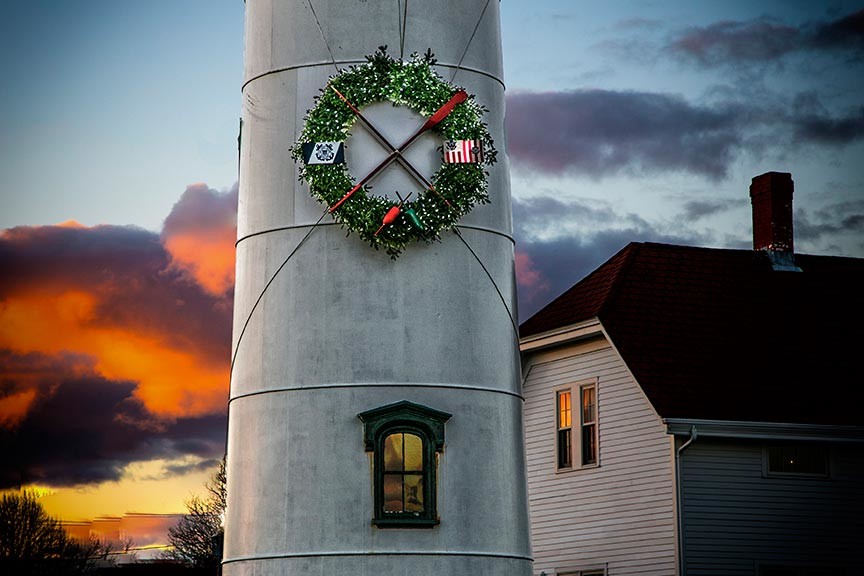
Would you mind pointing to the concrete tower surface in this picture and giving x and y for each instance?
(344, 331)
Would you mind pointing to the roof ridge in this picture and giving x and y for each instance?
(625, 266)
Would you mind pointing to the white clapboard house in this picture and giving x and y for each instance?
(699, 411)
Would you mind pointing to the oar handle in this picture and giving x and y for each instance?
(438, 116)
(360, 184)
(363, 119)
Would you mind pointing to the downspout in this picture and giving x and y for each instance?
(680, 507)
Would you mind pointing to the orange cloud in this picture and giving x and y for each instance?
(207, 256)
(115, 345)
(14, 407)
(199, 235)
(71, 224)
(171, 382)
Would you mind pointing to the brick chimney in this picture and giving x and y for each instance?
(771, 197)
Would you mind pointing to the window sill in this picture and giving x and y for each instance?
(576, 468)
(405, 522)
(797, 475)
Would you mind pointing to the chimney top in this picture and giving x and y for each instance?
(771, 197)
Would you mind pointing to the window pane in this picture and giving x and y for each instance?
(393, 452)
(798, 459)
(564, 450)
(564, 409)
(588, 405)
(392, 493)
(589, 445)
(413, 453)
(413, 493)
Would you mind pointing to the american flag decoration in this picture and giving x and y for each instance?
(463, 151)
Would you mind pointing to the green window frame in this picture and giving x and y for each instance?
(405, 439)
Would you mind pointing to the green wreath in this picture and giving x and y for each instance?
(456, 187)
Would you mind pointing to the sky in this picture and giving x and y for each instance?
(626, 121)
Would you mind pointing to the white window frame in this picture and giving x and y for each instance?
(576, 425)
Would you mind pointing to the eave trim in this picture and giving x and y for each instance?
(587, 329)
(764, 430)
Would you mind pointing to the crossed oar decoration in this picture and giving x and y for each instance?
(396, 153)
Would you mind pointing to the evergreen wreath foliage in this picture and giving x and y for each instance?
(414, 84)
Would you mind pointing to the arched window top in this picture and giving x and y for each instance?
(404, 438)
(406, 414)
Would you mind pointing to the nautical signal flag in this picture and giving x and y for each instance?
(324, 153)
(463, 151)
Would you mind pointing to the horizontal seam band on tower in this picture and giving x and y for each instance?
(298, 226)
(281, 228)
(374, 385)
(331, 63)
(376, 553)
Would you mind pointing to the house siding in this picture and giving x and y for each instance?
(620, 514)
(736, 520)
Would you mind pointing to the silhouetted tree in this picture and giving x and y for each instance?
(34, 543)
(197, 538)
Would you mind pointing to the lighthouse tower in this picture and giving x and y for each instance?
(375, 416)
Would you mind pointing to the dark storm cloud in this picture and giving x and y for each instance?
(599, 133)
(762, 40)
(726, 42)
(533, 215)
(203, 209)
(823, 129)
(696, 209)
(845, 33)
(84, 428)
(546, 268)
(602, 132)
(831, 220)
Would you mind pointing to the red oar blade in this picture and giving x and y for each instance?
(445, 110)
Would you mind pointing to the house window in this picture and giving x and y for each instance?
(589, 424)
(565, 430)
(405, 439)
(576, 431)
(796, 460)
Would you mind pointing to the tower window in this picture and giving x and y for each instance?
(405, 439)
(403, 473)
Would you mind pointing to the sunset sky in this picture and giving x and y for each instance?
(631, 121)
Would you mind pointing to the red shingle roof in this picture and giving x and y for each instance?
(718, 334)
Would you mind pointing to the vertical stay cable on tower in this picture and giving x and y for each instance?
(323, 37)
(470, 40)
(266, 286)
(402, 26)
(491, 279)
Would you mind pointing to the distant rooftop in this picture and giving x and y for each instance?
(720, 334)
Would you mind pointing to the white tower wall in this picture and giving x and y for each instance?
(344, 329)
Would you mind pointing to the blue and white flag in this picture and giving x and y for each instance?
(324, 153)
